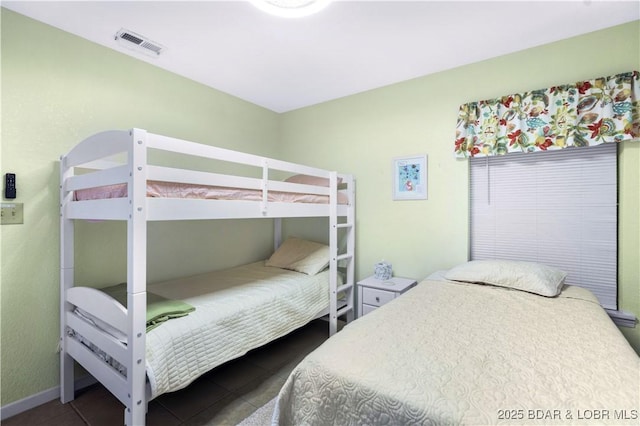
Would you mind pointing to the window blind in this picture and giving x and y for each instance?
(558, 208)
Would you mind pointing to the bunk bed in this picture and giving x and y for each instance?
(124, 176)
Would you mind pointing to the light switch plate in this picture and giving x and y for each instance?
(11, 214)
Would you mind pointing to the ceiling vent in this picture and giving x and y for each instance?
(139, 43)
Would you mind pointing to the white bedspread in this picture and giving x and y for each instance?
(251, 305)
(446, 353)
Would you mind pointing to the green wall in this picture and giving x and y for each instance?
(362, 133)
(58, 88)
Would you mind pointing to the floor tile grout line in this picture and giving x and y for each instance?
(79, 413)
(168, 410)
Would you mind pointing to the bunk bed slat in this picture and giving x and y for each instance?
(344, 310)
(106, 375)
(168, 174)
(104, 177)
(101, 164)
(104, 341)
(107, 209)
(344, 256)
(195, 209)
(345, 287)
(276, 209)
(100, 305)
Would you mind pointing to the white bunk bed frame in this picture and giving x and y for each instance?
(96, 153)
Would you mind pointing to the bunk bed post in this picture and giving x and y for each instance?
(333, 253)
(137, 279)
(67, 379)
(351, 244)
(277, 233)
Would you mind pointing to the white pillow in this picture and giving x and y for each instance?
(527, 276)
(300, 255)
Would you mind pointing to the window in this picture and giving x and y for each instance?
(558, 208)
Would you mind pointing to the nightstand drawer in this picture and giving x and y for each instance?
(367, 308)
(375, 297)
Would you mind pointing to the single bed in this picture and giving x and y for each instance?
(452, 352)
(235, 310)
(137, 177)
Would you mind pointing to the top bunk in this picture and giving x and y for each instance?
(120, 174)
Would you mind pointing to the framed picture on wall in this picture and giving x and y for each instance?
(410, 178)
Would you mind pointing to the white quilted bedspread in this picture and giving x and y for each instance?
(446, 353)
(251, 305)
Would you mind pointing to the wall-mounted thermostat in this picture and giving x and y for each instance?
(10, 186)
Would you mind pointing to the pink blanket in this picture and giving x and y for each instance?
(159, 189)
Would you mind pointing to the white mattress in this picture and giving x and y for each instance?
(451, 353)
(236, 310)
(157, 189)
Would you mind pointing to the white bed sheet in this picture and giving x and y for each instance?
(451, 353)
(237, 310)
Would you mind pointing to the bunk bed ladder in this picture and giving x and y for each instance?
(341, 293)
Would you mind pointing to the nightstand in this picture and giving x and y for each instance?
(373, 293)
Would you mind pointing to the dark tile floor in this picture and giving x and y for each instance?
(224, 396)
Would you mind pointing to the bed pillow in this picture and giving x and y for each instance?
(300, 255)
(527, 276)
(310, 180)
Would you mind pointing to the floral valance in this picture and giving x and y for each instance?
(586, 113)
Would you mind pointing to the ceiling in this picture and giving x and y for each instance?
(349, 47)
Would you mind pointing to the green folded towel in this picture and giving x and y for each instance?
(159, 309)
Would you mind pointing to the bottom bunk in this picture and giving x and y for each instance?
(234, 310)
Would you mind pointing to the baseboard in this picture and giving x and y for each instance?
(33, 401)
